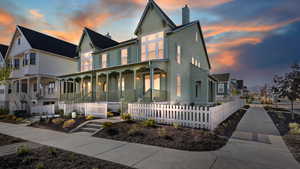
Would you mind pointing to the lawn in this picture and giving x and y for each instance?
(282, 119)
(173, 136)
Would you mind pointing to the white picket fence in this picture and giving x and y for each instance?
(43, 109)
(189, 116)
(95, 109)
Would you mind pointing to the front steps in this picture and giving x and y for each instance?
(90, 127)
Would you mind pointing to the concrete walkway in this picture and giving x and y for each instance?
(255, 145)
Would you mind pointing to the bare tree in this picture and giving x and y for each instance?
(289, 86)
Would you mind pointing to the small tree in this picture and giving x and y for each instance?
(289, 86)
(4, 75)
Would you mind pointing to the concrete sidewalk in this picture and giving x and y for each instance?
(255, 145)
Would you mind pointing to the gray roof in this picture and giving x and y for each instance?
(47, 43)
(3, 50)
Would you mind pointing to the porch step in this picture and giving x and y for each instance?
(89, 127)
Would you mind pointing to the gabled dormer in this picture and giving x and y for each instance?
(151, 32)
(3, 50)
(91, 42)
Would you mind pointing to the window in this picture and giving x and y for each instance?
(17, 63)
(123, 84)
(104, 60)
(199, 64)
(124, 56)
(198, 88)
(221, 88)
(178, 86)
(25, 60)
(156, 82)
(32, 58)
(86, 60)
(197, 37)
(2, 91)
(193, 60)
(51, 87)
(196, 62)
(152, 46)
(178, 58)
(19, 41)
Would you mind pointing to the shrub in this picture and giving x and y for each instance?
(90, 117)
(57, 121)
(60, 112)
(162, 132)
(11, 117)
(71, 156)
(107, 124)
(110, 114)
(19, 119)
(69, 123)
(135, 131)
(126, 116)
(293, 125)
(23, 150)
(4, 111)
(3, 116)
(176, 125)
(27, 160)
(149, 123)
(294, 128)
(40, 165)
(20, 113)
(52, 151)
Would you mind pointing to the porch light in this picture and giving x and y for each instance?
(163, 75)
(138, 78)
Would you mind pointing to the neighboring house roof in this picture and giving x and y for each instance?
(47, 43)
(3, 50)
(165, 17)
(222, 77)
(121, 44)
(99, 40)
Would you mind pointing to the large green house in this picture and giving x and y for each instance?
(164, 63)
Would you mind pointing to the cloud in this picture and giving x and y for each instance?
(175, 4)
(254, 26)
(7, 26)
(36, 14)
(70, 36)
(225, 59)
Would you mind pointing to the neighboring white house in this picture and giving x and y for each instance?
(164, 63)
(3, 88)
(37, 59)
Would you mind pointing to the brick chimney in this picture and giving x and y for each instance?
(185, 15)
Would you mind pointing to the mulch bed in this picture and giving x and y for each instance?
(282, 120)
(171, 137)
(47, 124)
(6, 140)
(50, 158)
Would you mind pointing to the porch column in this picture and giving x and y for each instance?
(28, 86)
(60, 89)
(120, 85)
(96, 86)
(107, 78)
(38, 85)
(74, 90)
(151, 82)
(20, 87)
(134, 79)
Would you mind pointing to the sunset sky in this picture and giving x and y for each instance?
(251, 39)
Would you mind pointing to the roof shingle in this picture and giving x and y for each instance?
(99, 40)
(222, 77)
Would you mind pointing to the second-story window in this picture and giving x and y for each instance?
(17, 63)
(178, 85)
(152, 46)
(32, 58)
(104, 60)
(51, 87)
(25, 60)
(178, 55)
(86, 61)
(124, 56)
